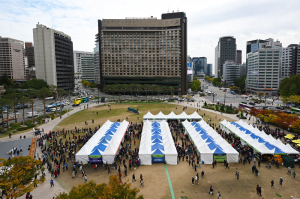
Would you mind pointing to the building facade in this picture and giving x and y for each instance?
(290, 64)
(263, 71)
(225, 50)
(78, 62)
(30, 56)
(238, 57)
(53, 56)
(200, 66)
(96, 61)
(87, 67)
(231, 71)
(144, 51)
(12, 58)
(243, 69)
(209, 70)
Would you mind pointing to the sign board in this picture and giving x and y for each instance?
(220, 157)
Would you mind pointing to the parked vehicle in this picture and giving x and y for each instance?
(35, 114)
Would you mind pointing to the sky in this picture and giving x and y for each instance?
(208, 20)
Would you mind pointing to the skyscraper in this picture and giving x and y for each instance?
(290, 62)
(231, 71)
(12, 58)
(78, 62)
(238, 57)
(96, 61)
(53, 55)
(225, 50)
(200, 66)
(209, 70)
(144, 51)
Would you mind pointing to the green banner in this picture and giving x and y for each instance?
(220, 157)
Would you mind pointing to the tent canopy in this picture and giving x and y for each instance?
(172, 115)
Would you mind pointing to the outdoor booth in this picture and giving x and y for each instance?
(157, 145)
(172, 116)
(104, 144)
(210, 145)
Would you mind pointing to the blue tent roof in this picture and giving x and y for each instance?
(277, 150)
(199, 129)
(269, 146)
(212, 146)
(107, 137)
(156, 129)
(194, 123)
(218, 151)
(96, 152)
(156, 140)
(112, 129)
(261, 140)
(101, 147)
(157, 151)
(156, 132)
(157, 146)
(156, 124)
(109, 133)
(103, 141)
(156, 136)
(254, 136)
(209, 140)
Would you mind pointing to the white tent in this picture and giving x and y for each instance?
(172, 115)
(169, 150)
(104, 143)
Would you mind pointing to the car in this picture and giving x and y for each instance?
(279, 108)
(252, 103)
(29, 114)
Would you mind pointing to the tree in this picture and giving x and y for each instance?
(295, 99)
(171, 89)
(14, 97)
(146, 88)
(138, 88)
(60, 93)
(234, 88)
(44, 92)
(125, 88)
(24, 100)
(31, 93)
(114, 189)
(196, 85)
(164, 88)
(17, 175)
(131, 88)
(216, 81)
(34, 84)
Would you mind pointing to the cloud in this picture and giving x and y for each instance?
(207, 20)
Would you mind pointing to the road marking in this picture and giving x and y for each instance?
(170, 183)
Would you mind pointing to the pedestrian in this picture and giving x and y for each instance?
(259, 191)
(51, 183)
(133, 178)
(272, 184)
(142, 183)
(280, 181)
(219, 194)
(257, 187)
(211, 190)
(141, 176)
(197, 179)
(202, 173)
(192, 180)
(108, 170)
(289, 170)
(294, 174)
(237, 175)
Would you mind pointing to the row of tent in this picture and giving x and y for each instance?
(210, 145)
(258, 140)
(104, 144)
(172, 116)
(157, 144)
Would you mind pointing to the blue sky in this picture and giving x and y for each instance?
(207, 20)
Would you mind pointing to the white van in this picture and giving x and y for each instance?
(29, 114)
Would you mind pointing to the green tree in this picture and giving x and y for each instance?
(23, 101)
(293, 90)
(14, 97)
(164, 89)
(125, 89)
(139, 88)
(146, 88)
(114, 189)
(34, 84)
(171, 90)
(31, 93)
(131, 88)
(44, 92)
(17, 175)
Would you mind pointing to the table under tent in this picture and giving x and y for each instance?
(104, 144)
(157, 144)
(210, 145)
(172, 116)
(258, 140)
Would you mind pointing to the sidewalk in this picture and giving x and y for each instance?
(44, 191)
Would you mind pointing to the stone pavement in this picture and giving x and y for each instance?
(44, 191)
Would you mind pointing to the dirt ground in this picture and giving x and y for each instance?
(155, 177)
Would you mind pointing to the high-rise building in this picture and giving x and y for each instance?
(225, 50)
(263, 71)
(209, 70)
(231, 71)
(78, 62)
(27, 44)
(200, 66)
(12, 58)
(238, 57)
(243, 69)
(30, 56)
(96, 61)
(144, 51)
(53, 56)
(290, 62)
(87, 67)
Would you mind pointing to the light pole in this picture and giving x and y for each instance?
(224, 98)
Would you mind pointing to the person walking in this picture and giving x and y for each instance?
(202, 173)
(141, 177)
(280, 181)
(133, 178)
(237, 175)
(219, 194)
(192, 180)
(51, 183)
(108, 170)
(259, 191)
(294, 174)
(211, 190)
(85, 178)
(197, 179)
(272, 184)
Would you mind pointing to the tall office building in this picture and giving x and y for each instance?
(78, 62)
(30, 56)
(231, 71)
(12, 58)
(225, 50)
(290, 62)
(96, 61)
(263, 71)
(27, 44)
(209, 70)
(243, 69)
(53, 56)
(200, 66)
(144, 51)
(87, 67)
(238, 57)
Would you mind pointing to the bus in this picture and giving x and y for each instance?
(53, 106)
(84, 99)
(295, 111)
(77, 101)
(245, 105)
